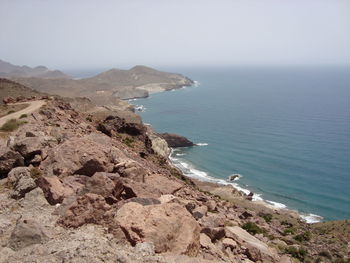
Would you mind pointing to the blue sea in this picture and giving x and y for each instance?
(285, 130)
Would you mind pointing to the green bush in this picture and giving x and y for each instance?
(129, 141)
(306, 236)
(267, 217)
(252, 228)
(11, 111)
(10, 125)
(299, 253)
(23, 116)
(290, 231)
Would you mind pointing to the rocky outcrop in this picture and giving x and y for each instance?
(175, 140)
(168, 226)
(82, 156)
(21, 181)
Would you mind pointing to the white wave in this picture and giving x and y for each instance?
(140, 108)
(311, 218)
(202, 144)
(196, 83)
(276, 204)
(180, 154)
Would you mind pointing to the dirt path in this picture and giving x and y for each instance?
(33, 106)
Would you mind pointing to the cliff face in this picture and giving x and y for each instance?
(75, 189)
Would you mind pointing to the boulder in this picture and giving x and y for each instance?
(138, 189)
(175, 140)
(23, 185)
(215, 233)
(199, 212)
(87, 209)
(28, 147)
(53, 189)
(228, 242)
(8, 160)
(168, 226)
(27, 232)
(101, 184)
(116, 124)
(82, 156)
(164, 184)
(256, 250)
(21, 181)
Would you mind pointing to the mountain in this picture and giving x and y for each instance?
(106, 87)
(9, 70)
(9, 88)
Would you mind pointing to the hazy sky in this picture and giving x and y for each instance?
(68, 34)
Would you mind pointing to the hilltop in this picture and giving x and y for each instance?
(108, 87)
(9, 70)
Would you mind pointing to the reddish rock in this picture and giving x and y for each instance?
(102, 184)
(164, 184)
(87, 209)
(137, 189)
(169, 226)
(215, 233)
(256, 250)
(53, 189)
(81, 156)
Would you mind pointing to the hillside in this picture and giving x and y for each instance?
(107, 87)
(9, 70)
(73, 189)
(9, 88)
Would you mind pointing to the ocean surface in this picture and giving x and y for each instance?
(285, 130)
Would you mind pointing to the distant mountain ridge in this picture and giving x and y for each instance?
(108, 87)
(9, 70)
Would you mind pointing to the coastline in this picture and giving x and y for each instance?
(191, 172)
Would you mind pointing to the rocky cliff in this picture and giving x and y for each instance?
(77, 189)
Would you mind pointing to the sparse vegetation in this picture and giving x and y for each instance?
(10, 125)
(129, 141)
(23, 116)
(306, 236)
(35, 172)
(290, 231)
(11, 111)
(299, 253)
(267, 217)
(252, 228)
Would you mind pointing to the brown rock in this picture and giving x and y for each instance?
(136, 189)
(199, 212)
(82, 156)
(53, 189)
(205, 241)
(164, 184)
(228, 242)
(215, 233)
(175, 140)
(169, 226)
(89, 208)
(101, 184)
(256, 250)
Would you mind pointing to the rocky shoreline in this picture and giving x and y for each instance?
(75, 187)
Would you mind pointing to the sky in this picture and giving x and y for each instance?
(82, 34)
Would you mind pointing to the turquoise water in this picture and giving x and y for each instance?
(285, 130)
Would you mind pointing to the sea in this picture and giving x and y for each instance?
(284, 130)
